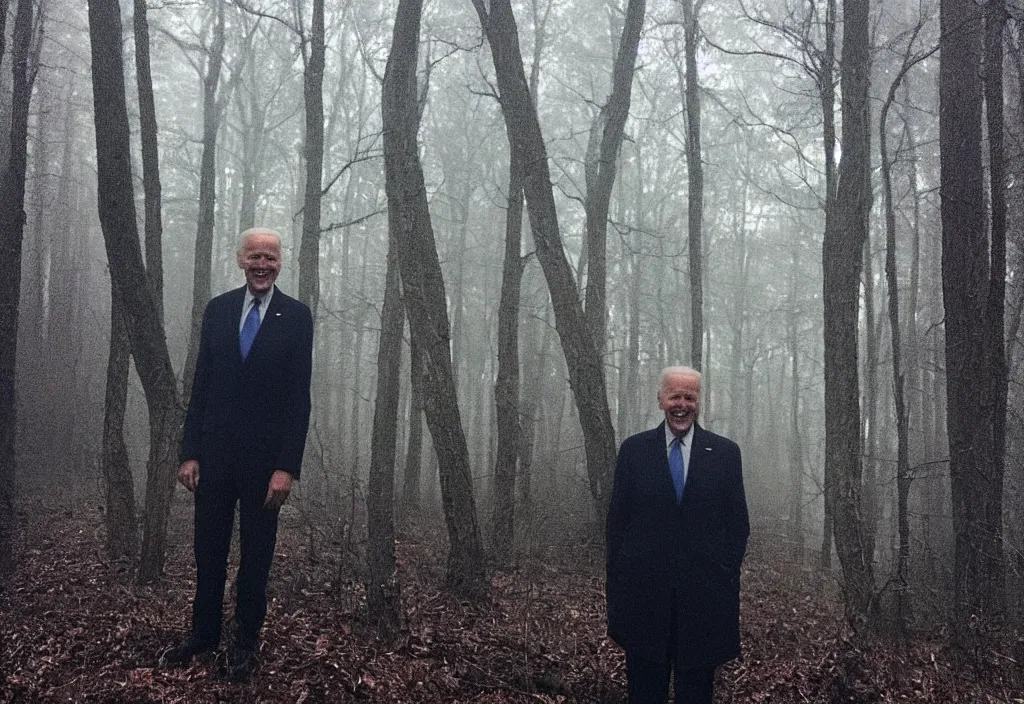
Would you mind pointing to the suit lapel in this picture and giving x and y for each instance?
(659, 460)
(233, 324)
(698, 455)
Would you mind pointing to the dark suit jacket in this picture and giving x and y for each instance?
(689, 553)
(259, 407)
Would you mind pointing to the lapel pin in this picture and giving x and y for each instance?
(279, 315)
(708, 449)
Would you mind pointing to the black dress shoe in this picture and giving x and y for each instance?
(241, 662)
(181, 654)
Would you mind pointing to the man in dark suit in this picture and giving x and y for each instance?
(245, 432)
(676, 534)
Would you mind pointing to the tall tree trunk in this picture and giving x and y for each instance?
(506, 387)
(128, 274)
(899, 367)
(842, 258)
(970, 281)
(796, 488)
(202, 266)
(122, 532)
(870, 500)
(12, 227)
(423, 290)
(586, 376)
(827, 95)
(995, 309)
(601, 168)
(903, 475)
(414, 453)
(383, 589)
(695, 179)
(313, 93)
(150, 159)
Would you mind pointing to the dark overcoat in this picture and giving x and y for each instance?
(259, 406)
(660, 552)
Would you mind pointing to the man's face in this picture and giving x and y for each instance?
(679, 397)
(260, 259)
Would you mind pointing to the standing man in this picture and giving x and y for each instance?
(245, 432)
(676, 534)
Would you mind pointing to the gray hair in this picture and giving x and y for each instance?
(254, 231)
(683, 370)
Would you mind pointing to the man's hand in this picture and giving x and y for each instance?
(280, 487)
(188, 474)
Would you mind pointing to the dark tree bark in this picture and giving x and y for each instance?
(995, 313)
(973, 280)
(150, 159)
(383, 589)
(506, 387)
(12, 227)
(122, 532)
(128, 274)
(898, 377)
(201, 274)
(313, 92)
(586, 376)
(842, 258)
(899, 366)
(695, 179)
(796, 477)
(825, 79)
(601, 168)
(423, 291)
(414, 451)
(869, 422)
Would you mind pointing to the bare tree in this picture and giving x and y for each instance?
(973, 283)
(12, 227)
(899, 365)
(695, 179)
(383, 589)
(212, 108)
(606, 135)
(423, 291)
(128, 274)
(842, 259)
(122, 532)
(150, 158)
(313, 92)
(506, 387)
(414, 450)
(586, 376)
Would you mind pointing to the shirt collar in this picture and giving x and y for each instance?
(264, 299)
(687, 438)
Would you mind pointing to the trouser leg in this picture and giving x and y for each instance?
(258, 535)
(214, 516)
(695, 686)
(647, 682)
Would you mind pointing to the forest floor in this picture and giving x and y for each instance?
(74, 628)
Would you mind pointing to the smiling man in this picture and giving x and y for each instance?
(243, 442)
(676, 534)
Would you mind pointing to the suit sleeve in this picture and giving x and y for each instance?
(193, 431)
(297, 416)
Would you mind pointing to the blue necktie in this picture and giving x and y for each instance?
(675, 464)
(249, 328)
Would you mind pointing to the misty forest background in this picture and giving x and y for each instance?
(508, 217)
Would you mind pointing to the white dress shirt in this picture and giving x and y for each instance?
(247, 305)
